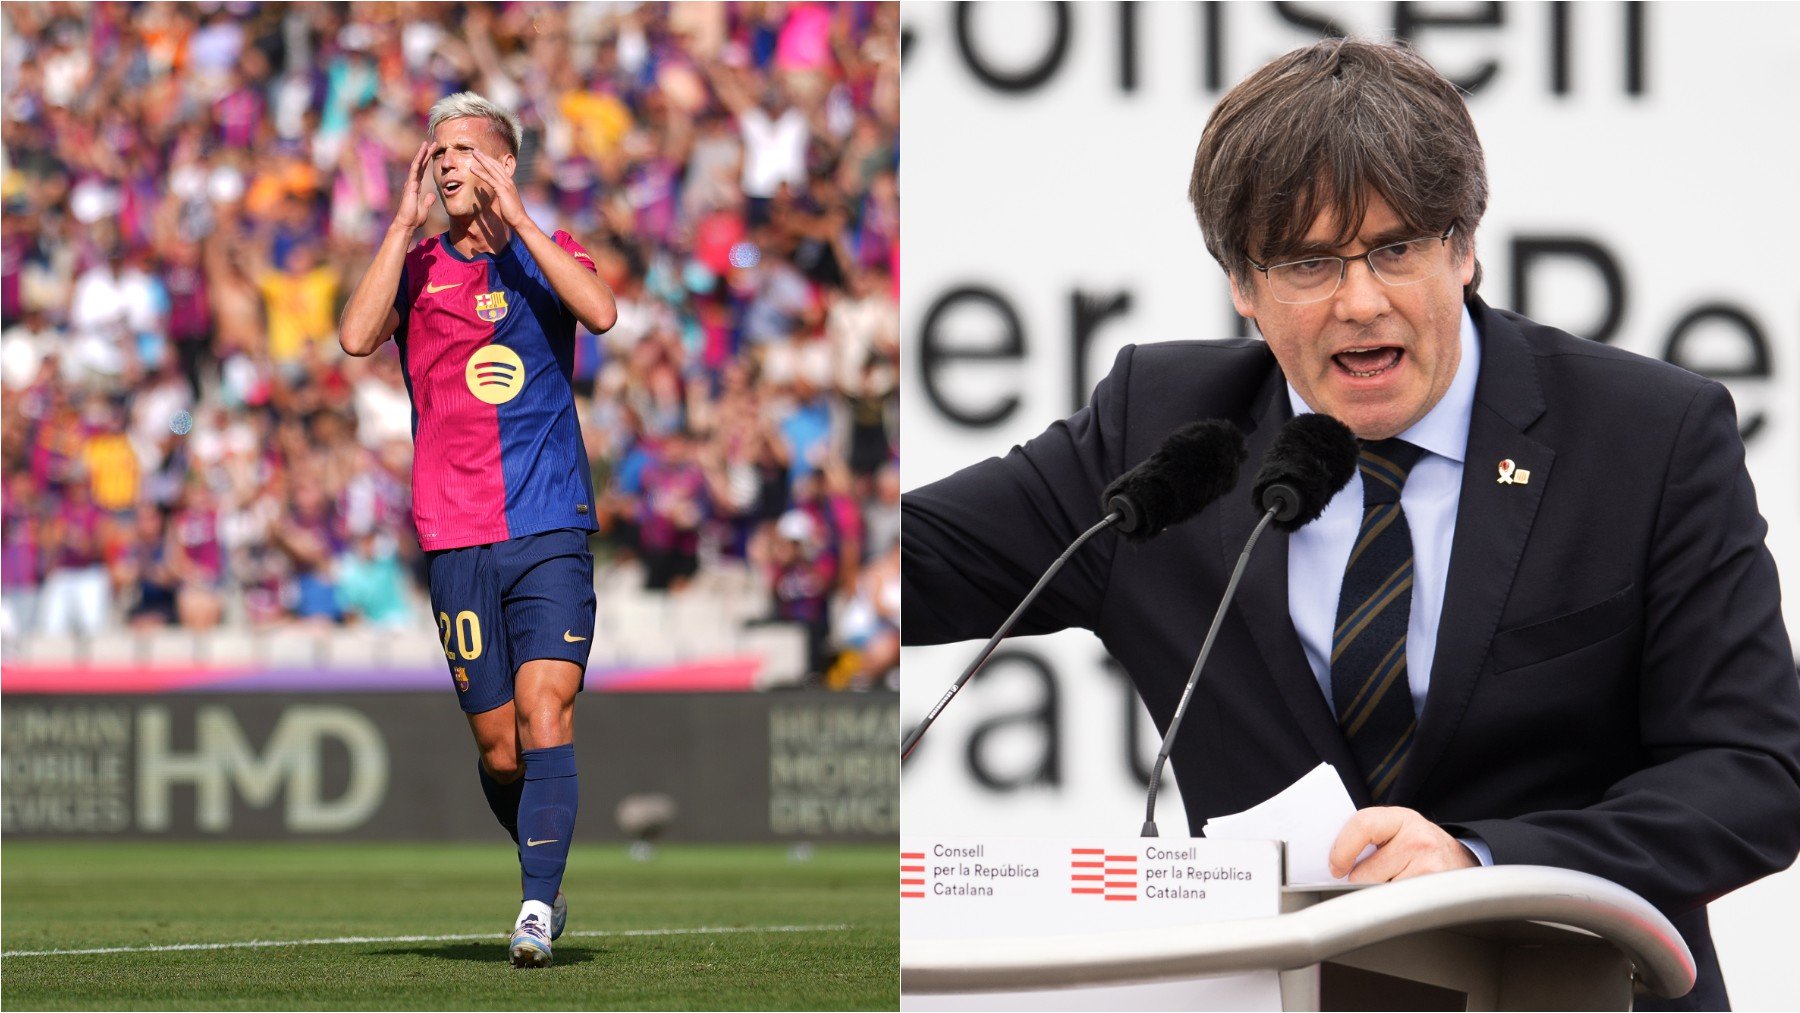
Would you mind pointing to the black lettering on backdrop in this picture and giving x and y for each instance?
(1627, 22)
(1634, 48)
(1012, 82)
(1758, 368)
(1561, 42)
(1128, 46)
(1135, 762)
(1086, 313)
(1046, 720)
(1528, 251)
(1409, 18)
(1559, 49)
(1212, 54)
(934, 356)
(1089, 311)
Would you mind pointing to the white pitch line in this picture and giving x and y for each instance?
(249, 944)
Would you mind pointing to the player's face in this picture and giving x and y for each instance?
(458, 188)
(1375, 356)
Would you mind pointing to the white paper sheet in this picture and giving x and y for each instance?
(1307, 815)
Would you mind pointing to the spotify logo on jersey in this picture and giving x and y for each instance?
(495, 374)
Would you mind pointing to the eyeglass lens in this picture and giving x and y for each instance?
(1317, 278)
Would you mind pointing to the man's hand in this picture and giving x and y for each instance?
(503, 195)
(416, 199)
(1406, 844)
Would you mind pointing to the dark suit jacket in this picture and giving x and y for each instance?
(1613, 689)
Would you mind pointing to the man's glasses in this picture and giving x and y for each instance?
(1317, 278)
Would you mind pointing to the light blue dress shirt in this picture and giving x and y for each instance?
(1318, 552)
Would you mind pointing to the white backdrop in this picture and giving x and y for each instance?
(1643, 168)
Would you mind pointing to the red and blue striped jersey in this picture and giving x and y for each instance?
(487, 350)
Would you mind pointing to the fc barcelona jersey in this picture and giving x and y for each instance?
(487, 350)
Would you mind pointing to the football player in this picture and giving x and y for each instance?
(484, 317)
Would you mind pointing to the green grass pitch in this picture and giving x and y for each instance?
(695, 927)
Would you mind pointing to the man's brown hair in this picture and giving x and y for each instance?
(1322, 128)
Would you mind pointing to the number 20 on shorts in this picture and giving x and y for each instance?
(466, 629)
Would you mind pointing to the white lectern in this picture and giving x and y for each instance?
(1509, 937)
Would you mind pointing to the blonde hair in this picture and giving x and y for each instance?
(466, 104)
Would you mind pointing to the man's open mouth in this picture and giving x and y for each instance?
(451, 187)
(1366, 362)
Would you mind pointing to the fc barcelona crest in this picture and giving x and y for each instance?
(490, 306)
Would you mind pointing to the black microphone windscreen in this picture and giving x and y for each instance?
(1313, 457)
(1197, 464)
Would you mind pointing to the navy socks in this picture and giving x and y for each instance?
(538, 812)
(503, 799)
(546, 818)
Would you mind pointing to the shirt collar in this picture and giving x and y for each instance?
(449, 247)
(1444, 430)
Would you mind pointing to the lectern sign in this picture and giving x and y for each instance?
(964, 888)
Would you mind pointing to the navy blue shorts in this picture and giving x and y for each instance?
(506, 603)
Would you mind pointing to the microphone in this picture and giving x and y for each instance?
(1311, 459)
(1197, 464)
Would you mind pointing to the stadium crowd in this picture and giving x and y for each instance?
(191, 190)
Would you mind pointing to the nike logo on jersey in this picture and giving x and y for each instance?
(441, 288)
(572, 638)
(532, 844)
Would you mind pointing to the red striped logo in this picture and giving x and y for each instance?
(1095, 873)
(912, 874)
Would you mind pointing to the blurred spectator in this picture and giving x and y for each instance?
(196, 558)
(306, 538)
(191, 189)
(24, 348)
(107, 457)
(371, 583)
(883, 515)
(190, 314)
(109, 297)
(837, 522)
(799, 578)
(300, 305)
(674, 501)
(869, 627)
(77, 592)
(147, 573)
(19, 570)
(775, 135)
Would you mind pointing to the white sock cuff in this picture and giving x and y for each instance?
(533, 907)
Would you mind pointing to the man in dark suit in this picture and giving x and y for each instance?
(1539, 627)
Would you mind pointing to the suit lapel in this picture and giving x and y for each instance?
(1262, 596)
(1493, 520)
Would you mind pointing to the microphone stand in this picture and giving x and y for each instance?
(918, 732)
(1187, 694)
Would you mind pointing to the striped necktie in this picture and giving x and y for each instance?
(1368, 645)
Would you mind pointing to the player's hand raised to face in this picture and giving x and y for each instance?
(416, 199)
(504, 199)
